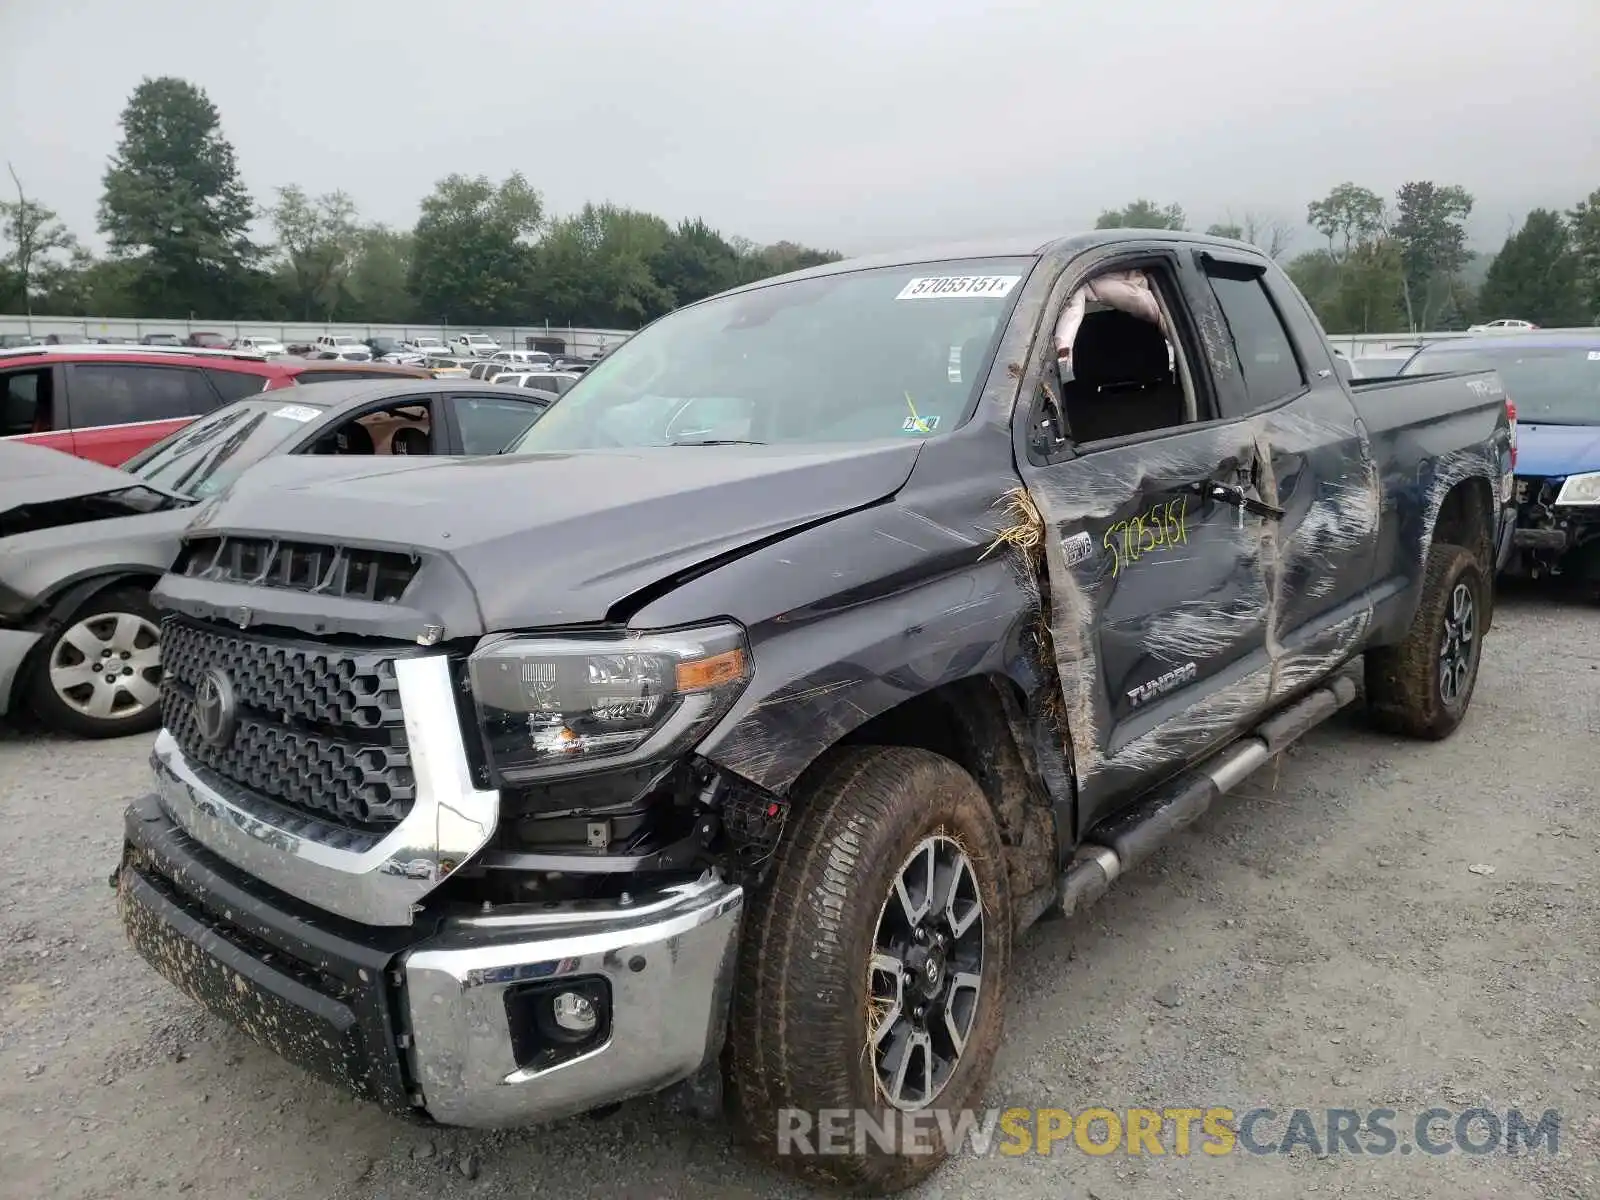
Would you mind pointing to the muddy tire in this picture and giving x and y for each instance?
(1423, 686)
(873, 966)
(97, 675)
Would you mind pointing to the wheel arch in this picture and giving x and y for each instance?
(66, 597)
(1466, 518)
(986, 725)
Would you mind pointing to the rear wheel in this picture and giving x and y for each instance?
(873, 969)
(1423, 686)
(99, 675)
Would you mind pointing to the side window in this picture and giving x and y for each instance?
(1120, 372)
(121, 393)
(1260, 342)
(235, 385)
(488, 424)
(25, 403)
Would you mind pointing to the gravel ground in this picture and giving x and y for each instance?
(1317, 941)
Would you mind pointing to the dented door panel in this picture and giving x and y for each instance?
(1144, 621)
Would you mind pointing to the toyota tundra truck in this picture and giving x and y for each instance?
(724, 734)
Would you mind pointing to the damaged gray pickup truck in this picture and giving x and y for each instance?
(732, 725)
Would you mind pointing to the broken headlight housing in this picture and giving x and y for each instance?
(557, 704)
(1580, 489)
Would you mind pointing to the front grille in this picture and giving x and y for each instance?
(352, 572)
(318, 727)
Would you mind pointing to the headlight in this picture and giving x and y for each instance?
(551, 705)
(1580, 489)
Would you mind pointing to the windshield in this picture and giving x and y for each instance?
(1552, 385)
(885, 353)
(207, 455)
(477, 339)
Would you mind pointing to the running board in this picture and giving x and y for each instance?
(1126, 840)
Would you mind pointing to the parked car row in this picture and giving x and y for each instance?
(82, 542)
(107, 404)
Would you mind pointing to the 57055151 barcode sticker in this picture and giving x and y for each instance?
(966, 287)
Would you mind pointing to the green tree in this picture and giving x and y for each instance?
(1585, 227)
(597, 267)
(1430, 227)
(780, 258)
(695, 262)
(471, 254)
(1270, 236)
(318, 240)
(174, 201)
(1535, 275)
(1142, 214)
(1356, 294)
(36, 237)
(1349, 217)
(379, 278)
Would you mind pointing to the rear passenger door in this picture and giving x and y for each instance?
(116, 409)
(1320, 473)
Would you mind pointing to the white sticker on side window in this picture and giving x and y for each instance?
(969, 287)
(1594, 356)
(297, 412)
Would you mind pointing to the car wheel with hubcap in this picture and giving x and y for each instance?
(872, 969)
(99, 674)
(1423, 686)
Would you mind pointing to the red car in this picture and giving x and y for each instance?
(109, 404)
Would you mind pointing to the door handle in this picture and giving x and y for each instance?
(1211, 489)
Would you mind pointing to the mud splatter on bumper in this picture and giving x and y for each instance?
(295, 984)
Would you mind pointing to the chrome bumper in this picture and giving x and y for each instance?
(667, 961)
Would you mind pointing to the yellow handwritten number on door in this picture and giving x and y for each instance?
(1160, 527)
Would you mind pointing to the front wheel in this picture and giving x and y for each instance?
(872, 974)
(99, 675)
(1423, 686)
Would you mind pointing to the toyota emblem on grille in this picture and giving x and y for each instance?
(214, 707)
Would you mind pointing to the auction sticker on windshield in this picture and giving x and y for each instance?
(945, 287)
(297, 412)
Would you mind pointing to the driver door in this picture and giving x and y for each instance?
(1155, 567)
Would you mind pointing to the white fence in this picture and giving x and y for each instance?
(583, 343)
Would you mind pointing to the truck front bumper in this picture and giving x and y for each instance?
(454, 1017)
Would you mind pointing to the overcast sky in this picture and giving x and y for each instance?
(855, 126)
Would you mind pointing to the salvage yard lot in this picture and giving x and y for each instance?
(1316, 941)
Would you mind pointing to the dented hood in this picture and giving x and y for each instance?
(39, 475)
(555, 539)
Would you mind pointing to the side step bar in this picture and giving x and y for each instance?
(1125, 841)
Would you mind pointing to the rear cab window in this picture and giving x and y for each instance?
(1270, 369)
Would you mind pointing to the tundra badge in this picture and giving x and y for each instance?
(1167, 681)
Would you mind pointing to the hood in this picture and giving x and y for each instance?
(1550, 450)
(561, 539)
(39, 475)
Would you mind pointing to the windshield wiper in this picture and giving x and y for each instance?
(719, 442)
